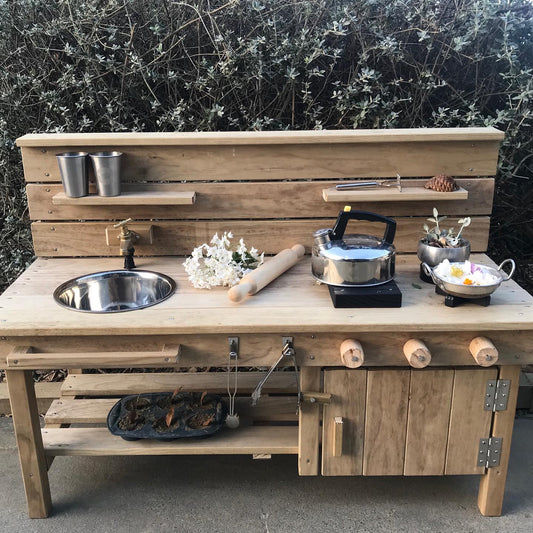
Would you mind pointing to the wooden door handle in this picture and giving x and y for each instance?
(338, 424)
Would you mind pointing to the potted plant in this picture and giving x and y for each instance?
(439, 244)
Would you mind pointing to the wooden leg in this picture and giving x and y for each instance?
(492, 486)
(29, 442)
(309, 424)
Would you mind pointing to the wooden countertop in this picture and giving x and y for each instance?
(292, 303)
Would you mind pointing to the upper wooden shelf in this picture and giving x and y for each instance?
(260, 137)
(129, 198)
(391, 194)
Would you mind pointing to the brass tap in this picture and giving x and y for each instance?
(127, 237)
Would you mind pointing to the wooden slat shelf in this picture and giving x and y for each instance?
(129, 198)
(98, 441)
(216, 382)
(391, 194)
(95, 410)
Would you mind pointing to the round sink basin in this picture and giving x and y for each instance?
(114, 291)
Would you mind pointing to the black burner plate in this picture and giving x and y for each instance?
(454, 301)
(386, 295)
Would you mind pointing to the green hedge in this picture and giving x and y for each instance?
(120, 65)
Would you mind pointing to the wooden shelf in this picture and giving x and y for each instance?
(129, 198)
(391, 194)
(99, 441)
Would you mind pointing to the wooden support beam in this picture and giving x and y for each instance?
(29, 442)
(492, 485)
(309, 424)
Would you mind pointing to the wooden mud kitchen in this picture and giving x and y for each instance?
(420, 389)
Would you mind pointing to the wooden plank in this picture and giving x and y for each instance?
(252, 200)
(67, 410)
(387, 396)
(492, 485)
(309, 424)
(260, 137)
(391, 194)
(320, 160)
(95, 410)
(45, 393)
(427, 422)
(128, 198)
(261, 350)
(468, 421)
(167, 357)
(348, 389)
(216, 382)
(292, 304)
(98, 441)
(62, 239)
(29, 442)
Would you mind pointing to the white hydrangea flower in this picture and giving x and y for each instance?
(215, 264)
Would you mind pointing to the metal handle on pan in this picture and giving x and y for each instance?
(513, 267)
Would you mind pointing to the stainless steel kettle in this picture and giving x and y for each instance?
(354, 260)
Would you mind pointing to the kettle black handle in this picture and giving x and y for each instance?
(344, 216)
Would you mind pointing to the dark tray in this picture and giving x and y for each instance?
(140, 416)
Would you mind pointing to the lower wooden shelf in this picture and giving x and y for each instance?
(242, 441)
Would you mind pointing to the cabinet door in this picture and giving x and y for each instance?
(343, 422)
(404, 421)
(387, 396)
(469, 422)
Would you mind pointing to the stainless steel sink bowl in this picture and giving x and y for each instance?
(114, 291)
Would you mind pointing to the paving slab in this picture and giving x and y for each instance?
(238, 494)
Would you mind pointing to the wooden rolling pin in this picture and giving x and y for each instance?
(262, 276)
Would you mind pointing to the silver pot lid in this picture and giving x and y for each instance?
(357, 247)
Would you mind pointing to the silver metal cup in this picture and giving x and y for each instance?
(74, 173)
(107, 172)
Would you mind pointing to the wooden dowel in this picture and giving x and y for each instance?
(262, 276)
(337, 436)
(417, 353)
(352, 354)
(483, 351)
(167, 357)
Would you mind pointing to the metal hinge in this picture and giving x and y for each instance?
(496, 394)
(490, 450)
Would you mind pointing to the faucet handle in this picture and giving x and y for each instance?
(123, 223)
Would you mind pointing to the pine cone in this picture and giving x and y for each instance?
(441, 183)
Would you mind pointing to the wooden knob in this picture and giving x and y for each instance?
(483, 351)
(417, 353)
(352, 355)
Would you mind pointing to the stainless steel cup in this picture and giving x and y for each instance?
(107, 172)
(74, 173)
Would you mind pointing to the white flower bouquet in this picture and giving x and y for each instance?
(215, 264)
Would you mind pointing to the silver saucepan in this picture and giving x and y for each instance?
(471, 291)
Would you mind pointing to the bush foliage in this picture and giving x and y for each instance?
(118, 65)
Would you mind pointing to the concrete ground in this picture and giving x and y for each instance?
(237, 494)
